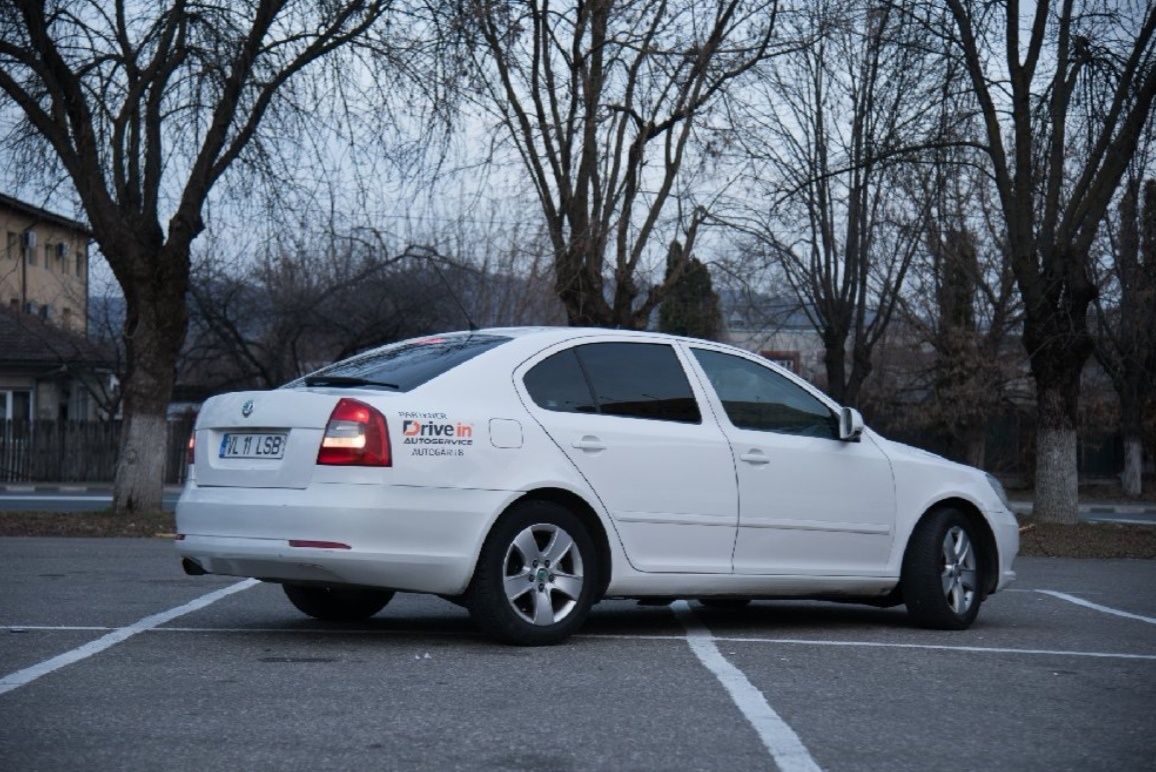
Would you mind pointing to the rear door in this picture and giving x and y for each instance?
(627, 416)
(809, 503)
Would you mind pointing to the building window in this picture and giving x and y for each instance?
(80, 262)
(15, 405)
(48, 249)
(788, 360)
(62, 258)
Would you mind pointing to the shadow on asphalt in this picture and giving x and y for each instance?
(619, 618)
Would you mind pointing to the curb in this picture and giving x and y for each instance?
(1093, 510)
(70, 488)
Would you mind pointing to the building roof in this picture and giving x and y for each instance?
(44, 215)
(27, 340)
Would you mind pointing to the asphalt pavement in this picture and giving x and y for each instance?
(1058, 673)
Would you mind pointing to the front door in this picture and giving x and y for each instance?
(809, 503)
(627, 417)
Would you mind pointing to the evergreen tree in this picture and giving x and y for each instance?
(692, 306)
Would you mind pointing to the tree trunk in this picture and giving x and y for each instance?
(835, 361)
(975, 446)
(1132, 432)
(156, 320)
(1131, 480)
(1057, 465)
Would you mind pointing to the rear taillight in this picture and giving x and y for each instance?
(355, 436)
(191, 453)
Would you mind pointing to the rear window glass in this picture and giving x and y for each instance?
(557, 383)
(639, 380)
(405, 365)
(632, 380)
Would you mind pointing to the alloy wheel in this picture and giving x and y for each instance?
(543, 574)
(958, 571)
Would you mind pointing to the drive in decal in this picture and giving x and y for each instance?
(435, 434)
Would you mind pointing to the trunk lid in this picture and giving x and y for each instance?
(244, 423)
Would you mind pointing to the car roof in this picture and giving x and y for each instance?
(556, 334)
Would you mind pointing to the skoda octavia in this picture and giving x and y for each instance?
(529, 473)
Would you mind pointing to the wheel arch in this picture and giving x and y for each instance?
(990, 548)
(589, 517)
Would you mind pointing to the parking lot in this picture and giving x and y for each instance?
(1058, 673)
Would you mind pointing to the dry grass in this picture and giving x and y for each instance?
(1086, 540)
(145, 524)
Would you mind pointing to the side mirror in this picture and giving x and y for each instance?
(850, 424)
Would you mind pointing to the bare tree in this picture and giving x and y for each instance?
(962, 302)
(600, 99)
(1126, 326)
(841, 121)
(1062, 112)
(145, 107)
(263, 322)
(258, 323)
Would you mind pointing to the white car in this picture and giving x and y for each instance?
(528, 473)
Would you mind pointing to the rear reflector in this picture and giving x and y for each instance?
(356, 435)
(321, 545)
(192, 448)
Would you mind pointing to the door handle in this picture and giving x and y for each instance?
(589, 443)
(756, 457)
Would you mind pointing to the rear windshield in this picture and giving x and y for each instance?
(402, 366)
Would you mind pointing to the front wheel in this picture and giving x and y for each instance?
(337, 604)
(536, 576)
(941, 579)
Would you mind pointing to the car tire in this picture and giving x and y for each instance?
(337, 604)
(548, 547)
(729, 604)
(942, 577)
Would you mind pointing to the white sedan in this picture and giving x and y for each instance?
(528, 473)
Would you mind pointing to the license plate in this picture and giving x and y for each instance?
(251, 445)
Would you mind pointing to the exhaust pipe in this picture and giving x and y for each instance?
(192, 567)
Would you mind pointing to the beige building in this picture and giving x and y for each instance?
(43, 264)
(49, 370)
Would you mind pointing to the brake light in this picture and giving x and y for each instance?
(191, 453)
(356, 435)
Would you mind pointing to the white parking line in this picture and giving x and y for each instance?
(887, 645)
(1097, 606)
(30, 674)
(785, 746)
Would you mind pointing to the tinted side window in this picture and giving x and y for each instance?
(757, 397)
(639, 380)
(557, 383)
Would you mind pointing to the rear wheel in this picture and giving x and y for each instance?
(536, 576)
(941, 572)
(337, 604)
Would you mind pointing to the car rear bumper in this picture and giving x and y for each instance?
(418, 539)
